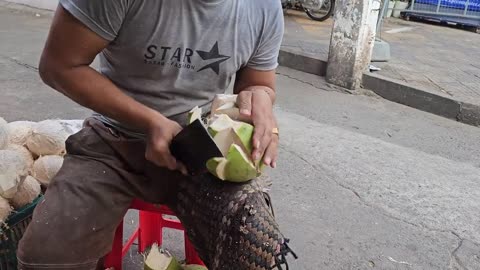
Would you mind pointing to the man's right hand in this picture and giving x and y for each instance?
(159, 137)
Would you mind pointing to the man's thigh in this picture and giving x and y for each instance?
(74, 225)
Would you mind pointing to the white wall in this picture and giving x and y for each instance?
(43, 4)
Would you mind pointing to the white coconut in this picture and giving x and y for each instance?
(5, 209)
(71, 126)
(24, 153)
(28, 191)
(12, 169)
(19, 131)
(46, 167)
(3, 133)
(49, 136)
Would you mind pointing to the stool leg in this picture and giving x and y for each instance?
(151, 229)
(191, 255)
(114, 258)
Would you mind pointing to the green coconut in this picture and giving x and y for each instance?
(239, 167)
(244, 136)
(234, 139)
(194, 267)
(213, 163)
(226, 131)
(220, 170)
(158, 259)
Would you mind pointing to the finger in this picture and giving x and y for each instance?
(259, 132)
(265, 142)
(165, 157)
(244, 103)
(170, 161)
(182, 168)
(271, 153)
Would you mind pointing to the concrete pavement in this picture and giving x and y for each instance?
(433, 68)
(362, 183)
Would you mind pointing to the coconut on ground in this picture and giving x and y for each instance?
(160, 260)
(46, 167)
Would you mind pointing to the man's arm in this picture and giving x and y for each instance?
(256, 96)
(65, 66)
(255, 80)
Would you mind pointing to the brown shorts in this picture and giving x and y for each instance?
(74, 225)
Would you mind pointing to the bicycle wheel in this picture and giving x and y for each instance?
(324, 13)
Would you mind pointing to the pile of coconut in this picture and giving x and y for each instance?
(31, 154)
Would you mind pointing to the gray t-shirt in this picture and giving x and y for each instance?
(172, 55)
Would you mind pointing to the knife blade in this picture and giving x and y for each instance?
(194, 146)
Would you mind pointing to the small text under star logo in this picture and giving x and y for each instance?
(213, 54)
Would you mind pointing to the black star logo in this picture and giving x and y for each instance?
(213, 54)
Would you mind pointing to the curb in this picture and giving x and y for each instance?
(418, 98)
(391, 89)
(308, 63)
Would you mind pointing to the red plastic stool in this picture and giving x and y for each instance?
(149, 231)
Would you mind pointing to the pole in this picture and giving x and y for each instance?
(466, 7)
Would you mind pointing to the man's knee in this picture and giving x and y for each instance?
(36, 252)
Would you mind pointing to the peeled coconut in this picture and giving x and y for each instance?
(46, 167)
(194, 114)
(5, 209)
(3, 133)
(49, 136)
(19, 132)
(28, 191)
(26, 155)
(222, 99)
(12, 170)
(158, 259)
(229, 109)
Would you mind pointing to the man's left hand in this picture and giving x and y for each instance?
(255, 103)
